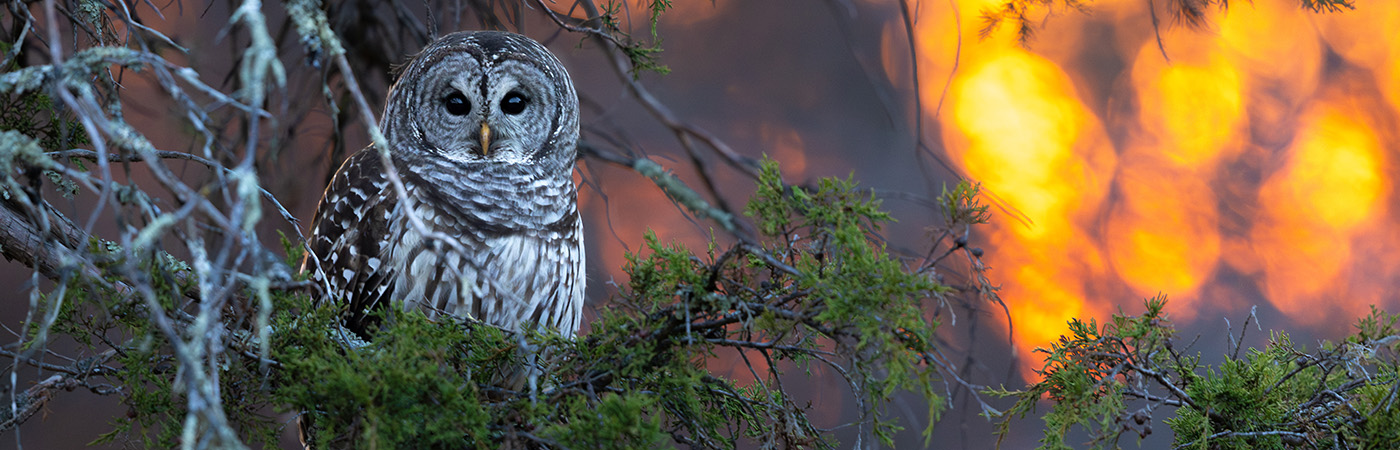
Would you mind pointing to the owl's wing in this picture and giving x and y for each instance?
(350, 239)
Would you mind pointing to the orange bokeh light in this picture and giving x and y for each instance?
(1016, 124)
(1163, 233)
(1239, 147)
(1331, 189)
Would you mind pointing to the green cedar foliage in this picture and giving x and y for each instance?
(819, 289)
(1110, 379)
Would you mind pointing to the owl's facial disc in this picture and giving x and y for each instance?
(490, 113)
(485, 98)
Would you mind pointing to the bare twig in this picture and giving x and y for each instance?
(26, 404)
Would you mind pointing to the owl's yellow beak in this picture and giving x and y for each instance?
(485, 139)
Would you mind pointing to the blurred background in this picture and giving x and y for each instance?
(1240, 161)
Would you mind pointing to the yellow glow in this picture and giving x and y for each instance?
(1016, 124)
(1332, 186)
(1335, 171)
(1196, 112)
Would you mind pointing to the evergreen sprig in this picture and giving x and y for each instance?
(1110, 379)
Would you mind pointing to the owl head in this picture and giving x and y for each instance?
(485, 97)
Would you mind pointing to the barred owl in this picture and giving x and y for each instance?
(482, 129)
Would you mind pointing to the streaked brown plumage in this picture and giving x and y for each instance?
(482, 128)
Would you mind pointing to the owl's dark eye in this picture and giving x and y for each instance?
(514, 103)
(457, 104)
